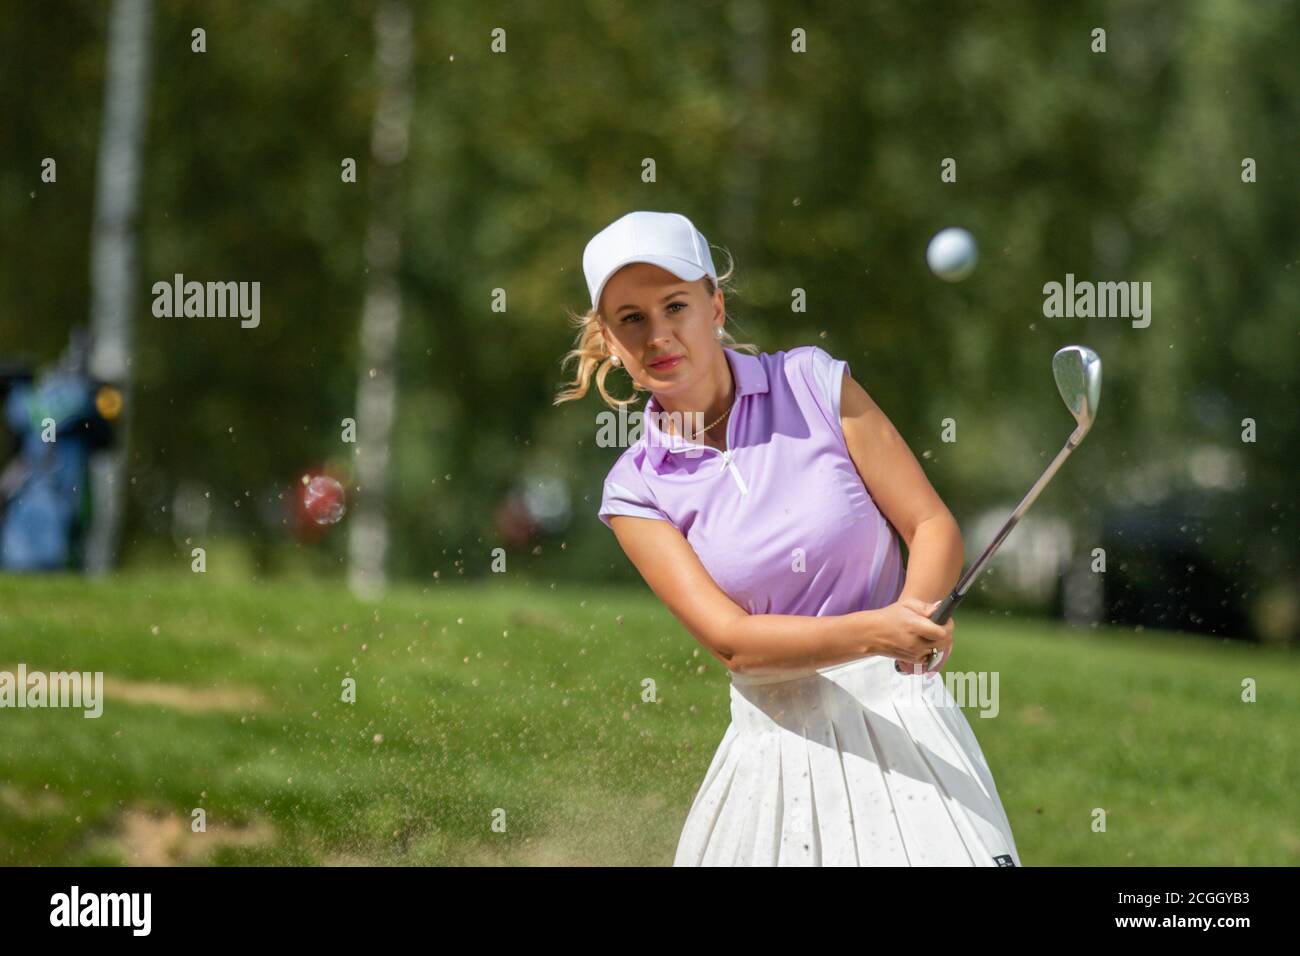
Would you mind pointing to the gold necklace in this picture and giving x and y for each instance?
(723, 415)
(720, 417)
(705, 429)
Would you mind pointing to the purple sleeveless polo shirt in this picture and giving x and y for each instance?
(781, 520)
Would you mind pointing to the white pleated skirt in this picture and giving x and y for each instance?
(848, 765)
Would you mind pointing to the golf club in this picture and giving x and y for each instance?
(1077, 370)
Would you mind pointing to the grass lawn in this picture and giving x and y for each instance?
(522, 704)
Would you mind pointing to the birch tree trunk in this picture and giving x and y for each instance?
(382, 313)
(113, 257)
(748, 20)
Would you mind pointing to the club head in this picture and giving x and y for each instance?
(1077, 370)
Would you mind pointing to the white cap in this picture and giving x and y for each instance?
(666, 239)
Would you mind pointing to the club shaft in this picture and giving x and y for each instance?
(944, 611)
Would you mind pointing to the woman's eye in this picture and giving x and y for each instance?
(636, 315)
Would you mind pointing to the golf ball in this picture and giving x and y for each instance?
(952, 254)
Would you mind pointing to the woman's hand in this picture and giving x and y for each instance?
(907, 634)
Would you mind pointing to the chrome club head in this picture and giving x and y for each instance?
(1077, 370)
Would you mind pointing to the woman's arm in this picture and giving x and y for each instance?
(752, 643)
(904, 496)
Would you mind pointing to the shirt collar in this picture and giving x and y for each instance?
(750, 378)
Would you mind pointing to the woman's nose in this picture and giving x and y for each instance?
(659, 330)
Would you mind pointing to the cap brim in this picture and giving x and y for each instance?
(686, 271)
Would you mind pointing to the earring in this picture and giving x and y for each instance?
(718, 331)
(613, 360)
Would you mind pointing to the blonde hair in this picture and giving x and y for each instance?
(593, 357)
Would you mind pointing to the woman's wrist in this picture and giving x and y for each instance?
(866, 632)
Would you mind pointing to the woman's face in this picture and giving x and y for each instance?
(650, 314)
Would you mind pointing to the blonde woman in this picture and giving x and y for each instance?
(760, 505)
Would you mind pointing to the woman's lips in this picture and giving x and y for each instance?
(665, 365)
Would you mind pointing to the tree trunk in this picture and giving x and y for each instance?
(113, 257)
(382, 314)
(748, 19)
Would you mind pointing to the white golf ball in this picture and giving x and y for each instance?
(952, 254)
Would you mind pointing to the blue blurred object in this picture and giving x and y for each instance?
(44, 488)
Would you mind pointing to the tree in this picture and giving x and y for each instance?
(113, 254)
(382, 314)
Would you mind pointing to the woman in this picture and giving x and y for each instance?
(760, 505)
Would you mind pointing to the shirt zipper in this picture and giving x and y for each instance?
(727, 463)
(726, 455)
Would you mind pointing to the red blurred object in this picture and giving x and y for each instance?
(514, 523)
(320, 501)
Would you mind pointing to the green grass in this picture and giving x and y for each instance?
(527, 699)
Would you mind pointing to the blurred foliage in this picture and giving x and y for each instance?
(819, 171)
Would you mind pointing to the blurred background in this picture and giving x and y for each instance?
(413, 184)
